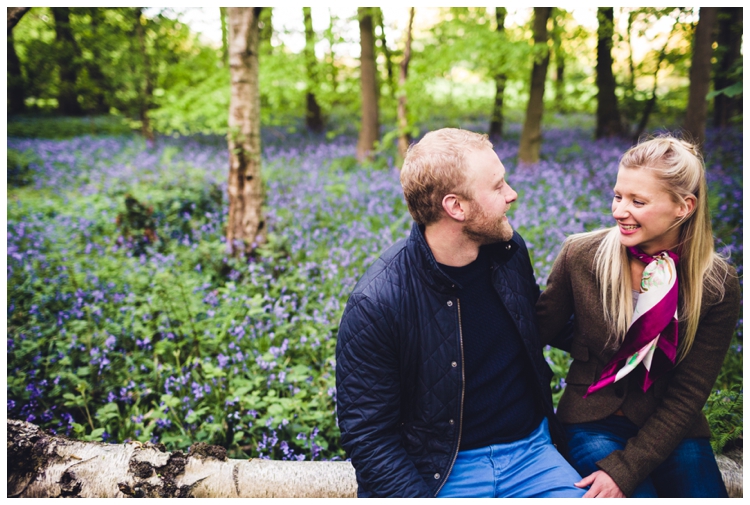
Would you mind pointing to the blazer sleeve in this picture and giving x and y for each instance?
(684, 398)
(368, 401)
(554, 308)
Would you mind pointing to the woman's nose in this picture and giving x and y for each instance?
(619, 210)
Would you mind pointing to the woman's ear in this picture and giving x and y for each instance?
(454, 207)
(687, 207)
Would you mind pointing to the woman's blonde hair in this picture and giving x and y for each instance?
(679, 166)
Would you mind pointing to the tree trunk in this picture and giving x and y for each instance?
(14, 16)
(652, 100)
(265, 25)
(729, 54)
(67, 56)
(404, 136)
(16, 95)
(386, 52)
(101, 87)
(608, 123)
(245, 226)
(496, 121)
(144, 99)
(331, 37)
(44, 466)
(700, 75)
(41, 465)
(370, 129)
(313, 116)
(559, 100)
(224, 36)
(531, 136)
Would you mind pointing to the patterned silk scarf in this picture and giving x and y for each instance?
(651, 338)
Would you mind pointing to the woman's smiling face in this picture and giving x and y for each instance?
(645, 212)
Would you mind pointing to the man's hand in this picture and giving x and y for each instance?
(602, 486)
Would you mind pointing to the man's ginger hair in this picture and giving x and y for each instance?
(436, 166)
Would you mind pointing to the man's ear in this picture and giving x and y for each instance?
(455, 207)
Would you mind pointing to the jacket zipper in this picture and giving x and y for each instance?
(463, 390)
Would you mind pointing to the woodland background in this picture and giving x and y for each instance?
(186, 219)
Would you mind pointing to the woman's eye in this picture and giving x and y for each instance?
(638, 203)
(617, 198)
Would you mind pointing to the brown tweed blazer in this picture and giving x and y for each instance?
(671, 409)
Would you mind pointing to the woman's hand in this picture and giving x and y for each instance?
(602, 486)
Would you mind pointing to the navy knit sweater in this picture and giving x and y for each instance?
(499, 404)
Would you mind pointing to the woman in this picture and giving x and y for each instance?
(655, 308)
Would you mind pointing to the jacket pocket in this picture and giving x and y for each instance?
(579, 352)
(583, 370)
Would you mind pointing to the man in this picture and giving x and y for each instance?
(441, 383)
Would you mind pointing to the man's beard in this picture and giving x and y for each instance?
(484, 229)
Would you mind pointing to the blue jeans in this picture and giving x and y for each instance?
(530, 467)
(689, 472)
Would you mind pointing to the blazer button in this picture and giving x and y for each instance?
(507, 247)
(450, 421)
(454, 364)
(450, 303)
(437, 476)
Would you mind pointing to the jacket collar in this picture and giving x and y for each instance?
(428, 267)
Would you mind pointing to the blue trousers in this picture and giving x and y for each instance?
(530, 467)
(689, 472)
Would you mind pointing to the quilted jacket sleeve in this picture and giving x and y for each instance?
(368, 401)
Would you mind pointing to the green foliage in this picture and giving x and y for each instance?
(451, 76)
(19, 171)
(113, 70)
(56, 127)
(724, 413)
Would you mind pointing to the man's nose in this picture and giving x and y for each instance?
(511, 196)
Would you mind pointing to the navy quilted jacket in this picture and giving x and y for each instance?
(399, 371)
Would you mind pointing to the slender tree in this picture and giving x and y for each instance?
(100, 88)
(265, 24)
(369, 131)
(496, 121)
(651, 103)
(245, 226)
(559, 56)
(531, 135)
(313, 116)
(15, 14)
(68, 56)
(331, 56)
(608, 123)
(700, 74)
(16, 95)
(728, 56)
(378, 16)
(404, 137)
(224, 36)
(147, 84)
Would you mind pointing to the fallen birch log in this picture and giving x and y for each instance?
(41, 465)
